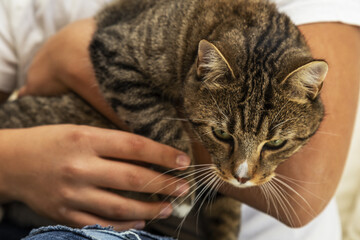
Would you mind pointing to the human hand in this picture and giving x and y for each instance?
(62, 172)
(62, 63)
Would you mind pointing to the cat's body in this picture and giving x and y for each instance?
(238, 71)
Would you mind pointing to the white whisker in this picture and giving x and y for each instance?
(329, 133)
(209, 186)
(212, 181)
(298, 185)
(181, 202)
(282, 123)
(194, 183)
(181, 177)
(215, 190)
(268, 189)
(266, 198)
(293, 179)
(310, 148)
(286, 201)
(313, 213)
(283, 107)
(177, 169)
(219, 109)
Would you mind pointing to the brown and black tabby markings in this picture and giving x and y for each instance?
(238, 71)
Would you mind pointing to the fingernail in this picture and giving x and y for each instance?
(139, 225)
(182, 188)
(166, 212)
(183, 161)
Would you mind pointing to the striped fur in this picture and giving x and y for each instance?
(236, 66)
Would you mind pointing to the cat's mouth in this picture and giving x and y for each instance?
(246, 184)
(251, 181)
(236, 181)
(245, 176)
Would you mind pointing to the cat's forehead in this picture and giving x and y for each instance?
(252, 113)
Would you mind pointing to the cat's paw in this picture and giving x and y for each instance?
(181, 210)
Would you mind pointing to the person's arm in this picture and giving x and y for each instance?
(63, 64)
(316, 170)
(63, 172)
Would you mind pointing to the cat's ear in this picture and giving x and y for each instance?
(211, 63)
(306, 81)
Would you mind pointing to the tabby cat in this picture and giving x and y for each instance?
(238, 72)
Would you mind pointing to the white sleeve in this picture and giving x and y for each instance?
(26, 25)
(310, 11)
(55, 14)
(8, 59)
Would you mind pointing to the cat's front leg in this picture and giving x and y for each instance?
(147, 113)
(221, 220)
(163, 126)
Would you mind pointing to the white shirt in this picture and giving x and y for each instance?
(26, 24)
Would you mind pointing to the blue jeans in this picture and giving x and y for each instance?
(95, 232)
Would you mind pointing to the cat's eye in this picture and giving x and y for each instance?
(221, 134)
(275, 144)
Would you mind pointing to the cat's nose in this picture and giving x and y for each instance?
(242, 173)
(243, 180)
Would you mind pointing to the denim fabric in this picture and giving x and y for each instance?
(95, 232)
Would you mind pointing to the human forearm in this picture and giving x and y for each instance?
(315, 171)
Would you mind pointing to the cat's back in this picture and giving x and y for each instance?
(159, 38)
(124, 11)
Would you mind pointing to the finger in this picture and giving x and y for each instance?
(123, 145)
(130, 177)
(114, 207)
(80, 219)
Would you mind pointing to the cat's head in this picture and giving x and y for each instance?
(249, 120)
